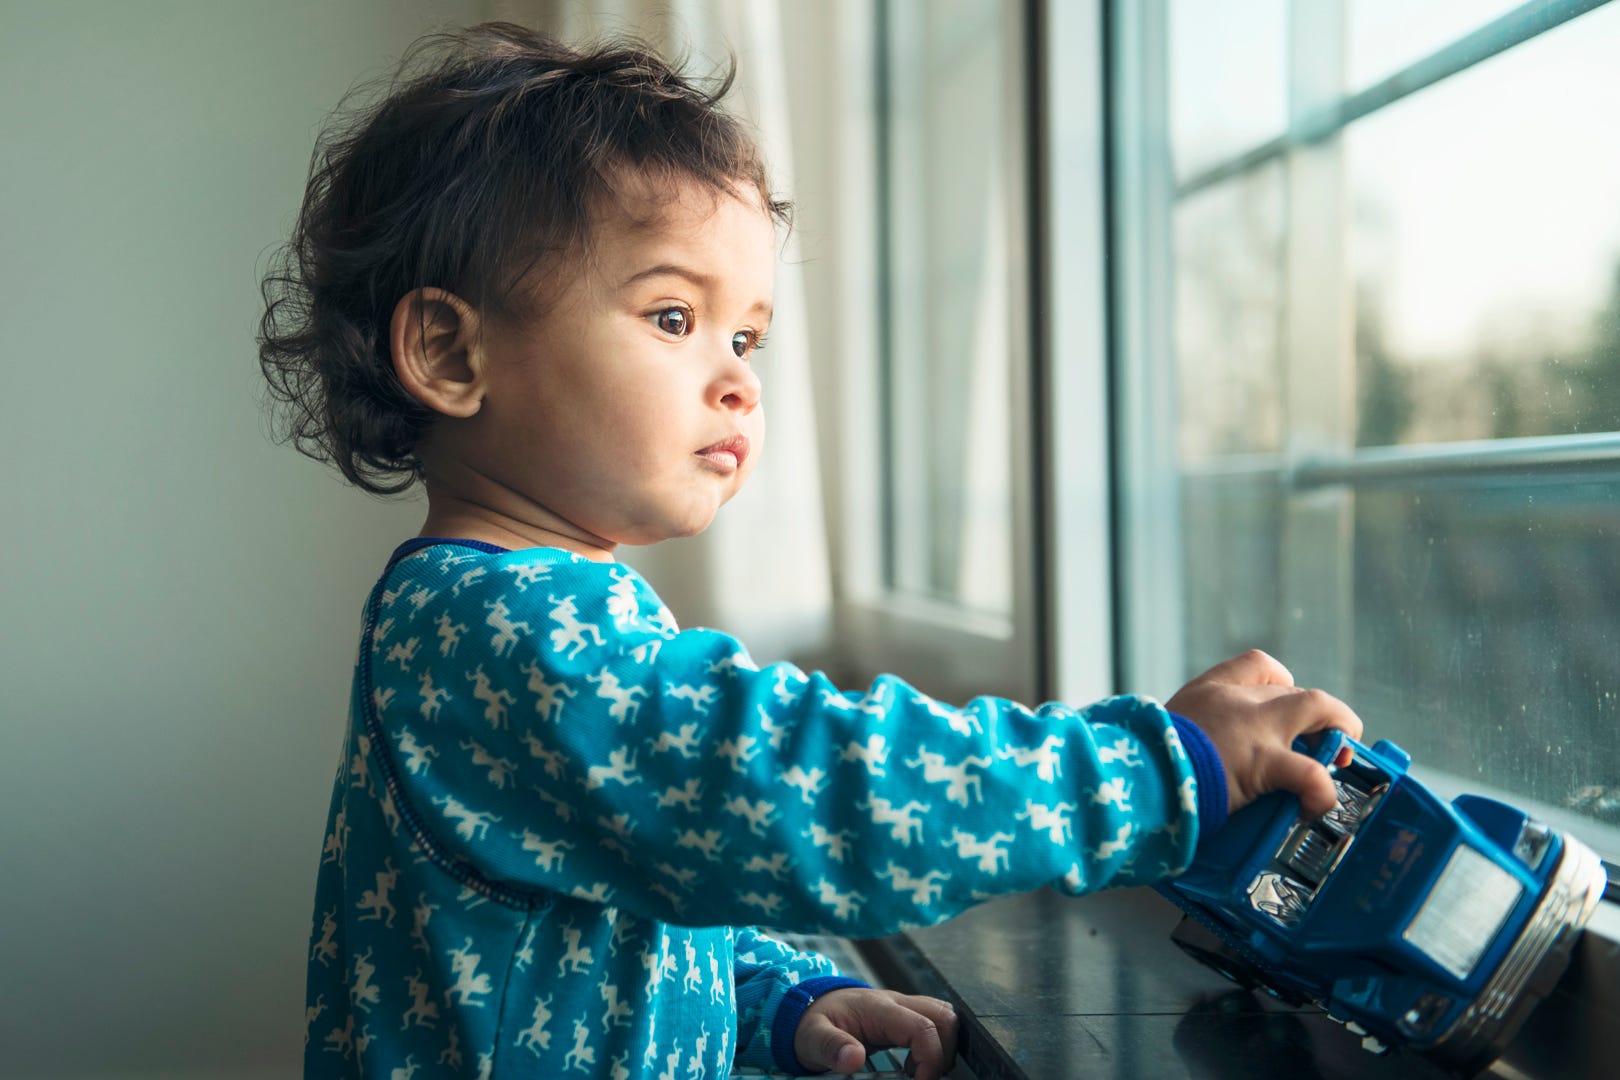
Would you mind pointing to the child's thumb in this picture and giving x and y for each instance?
(844, 1052)
(850, 1057)
(823, 1045)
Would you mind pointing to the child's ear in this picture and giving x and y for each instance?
(433, 337)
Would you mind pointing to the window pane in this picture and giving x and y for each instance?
(1487, 238)
(1487, 636)
(1228, 78)
(1445, 268)
(949, 322)
(1233, 526)
(1229, 296)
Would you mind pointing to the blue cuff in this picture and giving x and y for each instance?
(1209, 773)
(791, 1011)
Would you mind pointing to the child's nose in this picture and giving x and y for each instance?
(738, 387)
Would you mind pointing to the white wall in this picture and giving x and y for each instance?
(178, 597)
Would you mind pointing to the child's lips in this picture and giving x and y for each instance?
(727, 455)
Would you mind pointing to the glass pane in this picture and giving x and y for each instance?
(1232, 529)
(1486, 231)
(1228, 78)
(1229, 297)
(1471, 232)
(1387, 35)
(949, 322)
(1487, 637)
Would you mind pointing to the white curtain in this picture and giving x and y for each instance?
(761, 570)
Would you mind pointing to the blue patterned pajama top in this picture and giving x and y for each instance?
(558, 819)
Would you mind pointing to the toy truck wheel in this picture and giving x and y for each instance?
(1231, 967)
(1203, 945)
(1197, 942)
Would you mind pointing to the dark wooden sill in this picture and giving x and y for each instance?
(1051, 987)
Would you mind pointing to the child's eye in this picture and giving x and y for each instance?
(744, 342)
(676, 322)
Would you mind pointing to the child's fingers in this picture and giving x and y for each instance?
(1252, 668)
(827, 1037)
(1285, 770)
(1310, 711)
(918, 1032)
(943, 1014)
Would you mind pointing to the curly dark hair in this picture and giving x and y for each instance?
(479, 164)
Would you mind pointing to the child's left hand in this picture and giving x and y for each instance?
(837, 1028)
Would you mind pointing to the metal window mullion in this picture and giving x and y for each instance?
(1151, 548)
(1078, 545)
(1536, 456)
(1024, 656)
(1315, 617)
(1560, 456)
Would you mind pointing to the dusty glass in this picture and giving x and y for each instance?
(1228, 78)
(1487, 633)
(1485, 214)
(1230, 291)
(1396, 371)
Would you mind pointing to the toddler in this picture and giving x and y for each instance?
(536, 279)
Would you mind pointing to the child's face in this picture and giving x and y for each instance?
(630, 408)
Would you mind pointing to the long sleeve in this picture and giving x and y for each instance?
(553, 730)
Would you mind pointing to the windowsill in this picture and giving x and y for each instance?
(1050, 986)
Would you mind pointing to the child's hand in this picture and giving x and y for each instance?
(836, 1029)
(1252, 711)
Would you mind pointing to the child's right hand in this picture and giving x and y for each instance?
(1252, 711)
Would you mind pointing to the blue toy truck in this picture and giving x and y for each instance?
(1414, 921)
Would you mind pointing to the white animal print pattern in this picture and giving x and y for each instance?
(558, 818)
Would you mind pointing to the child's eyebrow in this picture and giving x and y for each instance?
(707, 282)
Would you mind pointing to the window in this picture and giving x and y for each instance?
(1367, 312)
(945, 257)
(945, 595)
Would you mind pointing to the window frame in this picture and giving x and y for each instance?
(1319, 468)
(1075, 408)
